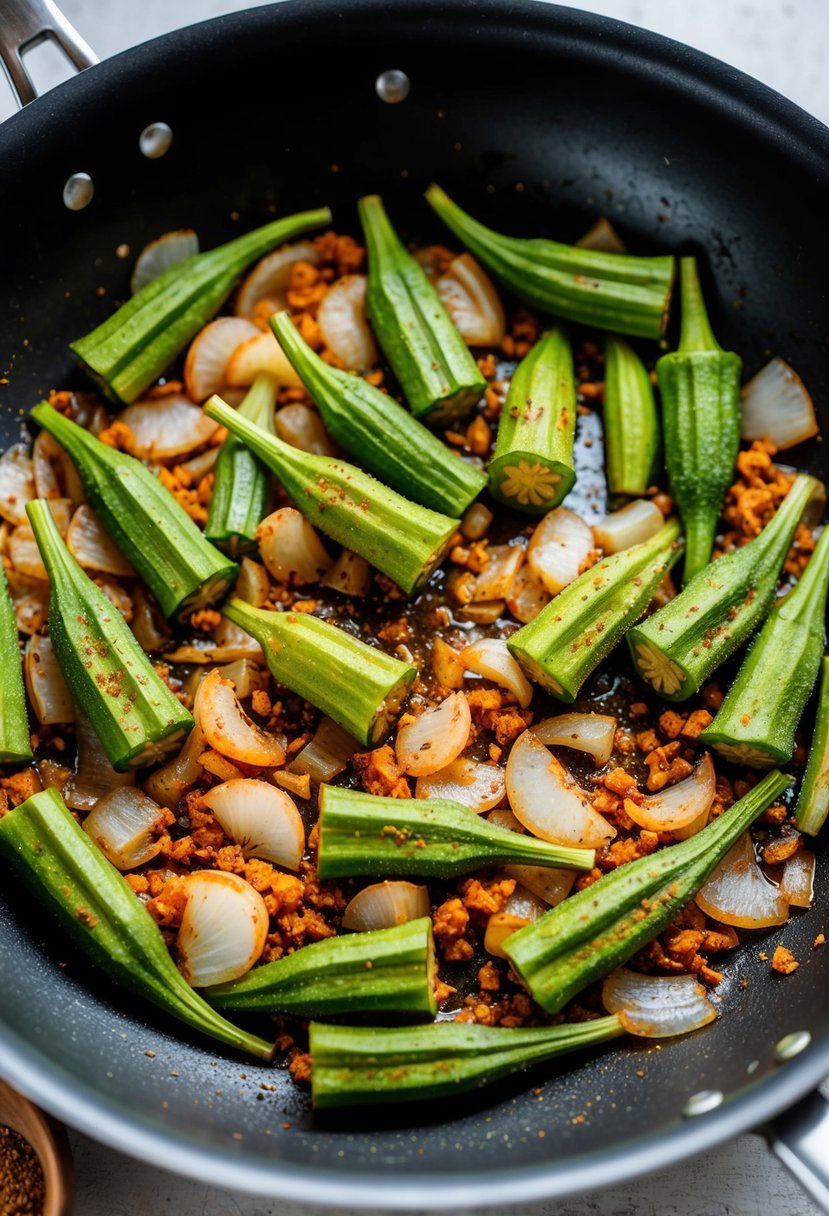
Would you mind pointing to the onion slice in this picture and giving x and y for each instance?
(261, 819)
(47, 689)
(303, 428)
(159, 255)
(591, 733)
(472, 302)
(168, 784)
(93, 547)
(126, 825)
(522, 908)
(677, 806)
(559, 547)
(94, 776)
(634, 523)
(498, 576)
(550, 883)
(476, 785)
(386, 904)
(327, 754)
(271, 276)
(350, 575)
(17, 484)
(797, 883)
(436, 738)
(547, 800)
(776, 406)
(738, 893)
(657, 1007)
(527, 597)
(260, 353)
(54, 473)
(490, 658)
(223, 929)
(168, 427)
(343, 325)
(205, 368)
(229, 730)
(291, 549)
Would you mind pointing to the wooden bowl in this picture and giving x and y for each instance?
(48, 1138)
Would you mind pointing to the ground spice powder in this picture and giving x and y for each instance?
(22, 1186)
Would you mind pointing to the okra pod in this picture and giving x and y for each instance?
(399, 537)
(600, 928)
(359, 686)
(437, 373)
(242, 483)
(69, 874)
(367, 834)
(616, 291)
(631, 422)
(15, 742)
(132, 348)
(532, 466)
(132, 711)
(387, 440)
(813, 799)
(582, 624)
(381, 971)
(677, 648)
(756, 723)
(363, 1065)
(700, 388)
(182, 569)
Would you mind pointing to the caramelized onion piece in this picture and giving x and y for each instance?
(261, 819)
(436, 738)
(498, 576)
(521, 908)
(680, 805)
(291, 549)
(350, 575)
(127, 827)
(168, 784)
(476, 785)
(270, 278)
(303, 428)
(327, 754)
(343, 324)
(476, 520)
(205, 368)
(47, 689)
(591, 733)
(797, 883)
(655, 1006)
(386, 904)
(260, 353)
(547, 800)
(738, 892)
(165, 428)
(550, 883)
(229, 730)
(527, 597)
(17, 484)
(92, 547)
(490, 658)
(472, 302)
(559, 547)
(223, 929)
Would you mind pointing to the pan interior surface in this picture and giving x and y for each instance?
(539, 120)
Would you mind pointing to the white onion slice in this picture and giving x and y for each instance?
(199, 466)
(223, 929)
(776, 406)
(386, 904)
(591, 733)
(738, 892)
(125, 826)
(164, 428)
(655, 1006)
(168, 784)
(244, 675)
(17, 484)
(550, 883)
(271, 277)
(93, 547)
(253, 585)
(291, 549)
(24, 554)
(490, 658)
(680, 805)
(436, 738)
(603, 237)
(476, 520)
(55, 474)
(559, 546)
(47, 689)
(528, 596)
(31, 602)
(350, 575)
(205, 368)
(230, 642)
(797, 883)
(147, 624)
(472, 302)
(229, 730)
(497, 577)
(476, 785)
(327, 754)
(521, 908)
(548, 802)
(634, 523)
(303, 428)
(343, 324)
(261, 819)
(261, 353)
(159, 255)
(94, 776)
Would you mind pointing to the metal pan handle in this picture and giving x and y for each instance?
(799, 1138)
(26, 23)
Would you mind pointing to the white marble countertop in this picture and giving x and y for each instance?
(783, 43)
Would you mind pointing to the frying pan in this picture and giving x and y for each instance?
(538, 118)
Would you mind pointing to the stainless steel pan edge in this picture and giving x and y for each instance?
(802, 1138)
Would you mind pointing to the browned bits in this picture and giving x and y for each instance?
(22, 1184)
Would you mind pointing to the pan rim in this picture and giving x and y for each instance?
(804, 141)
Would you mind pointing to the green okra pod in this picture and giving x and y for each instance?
(631, 421)
(359, 686)
(381, 971)
(616, 291)
(677, 648)
(387, 440)
(134, 346)
(182, 569)
(242, 484)
(399, 537)
(15, 741)
(532, 466)
(69, 874)
(132, 711)
(365, 834)
(813, 799)
(582, 624)
(756, 723)
(700, 388)
(598, 929)
(360, 1065)
(437, 373)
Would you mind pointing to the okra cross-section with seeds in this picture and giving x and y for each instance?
(242, 484)
(181, 568)
(403, 540)
(132, 711)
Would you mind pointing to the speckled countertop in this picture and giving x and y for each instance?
(783, 43)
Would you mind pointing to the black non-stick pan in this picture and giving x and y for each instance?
(538, 118)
